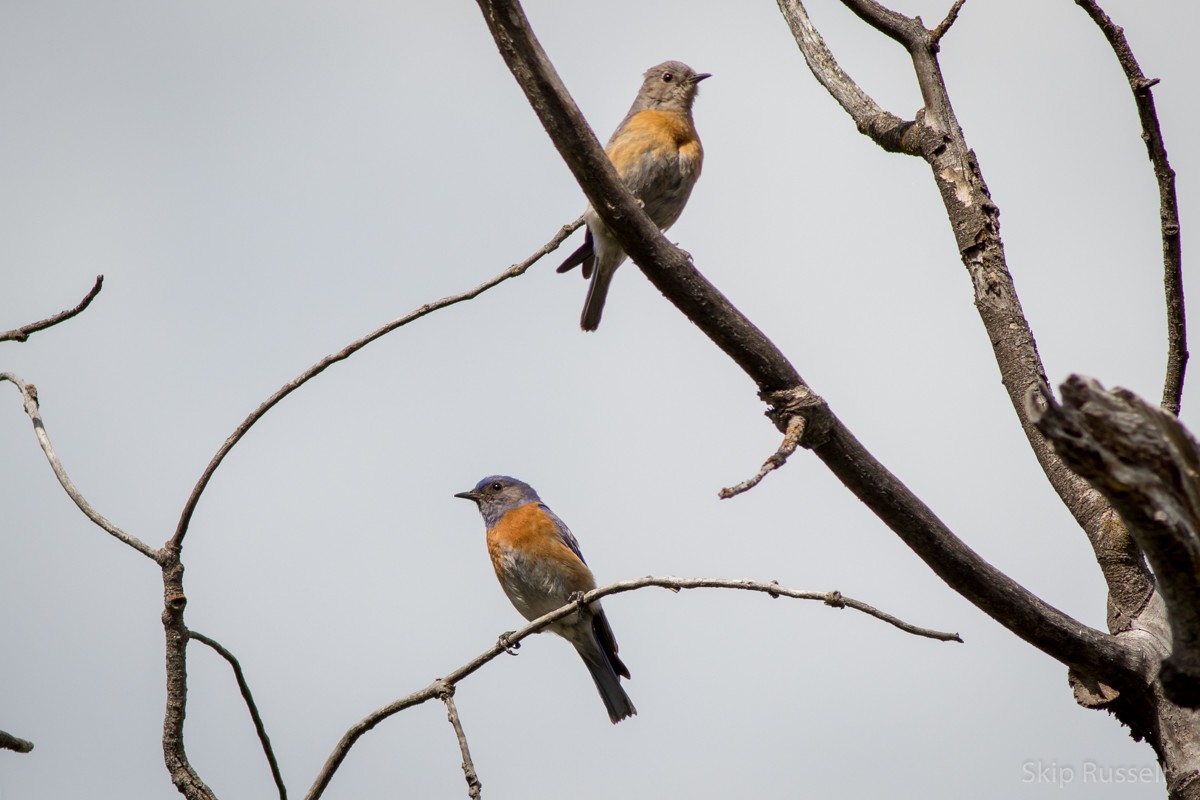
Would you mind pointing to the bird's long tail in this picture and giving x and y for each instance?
(608, 684)
(597, 293)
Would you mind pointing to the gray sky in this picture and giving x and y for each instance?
(263, 182)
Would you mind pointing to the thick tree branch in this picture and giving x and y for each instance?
(1006, 601)
(507, 642)
(975, 222)
(251, 706)
(22, 334)
(183, 775)
(1148, 466)
(30, 395)
(1177, 353)
(347, 351)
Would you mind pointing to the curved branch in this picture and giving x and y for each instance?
(29, 393)
(1177, 353)
(886, 129)
(965, 571)
(251, 706)
(975, 223)
(439, 687)
(22, 334)
(316, 369)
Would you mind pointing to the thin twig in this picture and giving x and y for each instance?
(244, 687)
(21, 334)
(944, 26)
(505, 643)
(791, 440)
(10, 742)
(29, 393)
(347, 351)
(1177, 353)
(474, 786)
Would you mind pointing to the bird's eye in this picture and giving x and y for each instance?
(497, 486)
(668, 77)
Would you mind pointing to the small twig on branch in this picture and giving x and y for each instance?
(22, 334)
(474, 786)
(438, 688)
(944, 26)
(10, 742)
(29, 393)
(791, 440)
(1177, 353)
(316, 369)
(244, 687)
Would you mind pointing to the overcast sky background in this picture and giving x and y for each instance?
(262, 182)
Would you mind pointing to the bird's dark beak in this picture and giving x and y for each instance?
(701, 77)
(472, 495)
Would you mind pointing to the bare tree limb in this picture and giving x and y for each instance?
(316, 369)
(251, 706)
(791, 440)
(29, 393)
(944, 26)
(1177, 353)
(670, 270)
(22, 334)
(438, 688)
(183, 775)
(1148, 466)
(474, 786)
(10, 742)
(975, 221)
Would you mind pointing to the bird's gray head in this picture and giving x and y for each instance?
(496, 495)
(672, 86)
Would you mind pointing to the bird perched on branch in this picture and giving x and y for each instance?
(657, 153)
(540, 568)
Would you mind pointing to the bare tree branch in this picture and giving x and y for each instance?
(1177, 353)
(1145, 462)
(183, 775)
(886, 129)
(975, 222)
(30, 395)
(791, 440)
(316, 369)
(944, 26)
(474, 786)
(10, 742)
(22, 334)
(438, 688)
(251, 706)
(673, 274)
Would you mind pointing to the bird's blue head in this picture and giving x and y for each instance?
(496, 495)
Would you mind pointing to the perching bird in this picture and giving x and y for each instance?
(657, 153)
(540, 567)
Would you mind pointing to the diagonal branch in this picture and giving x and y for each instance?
(22, 334)
(1177, 354)
(29, 393)
(975, 223)
(439, 688)
(999, 596)
(474, 786)
(316, 369)
(244, 688)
